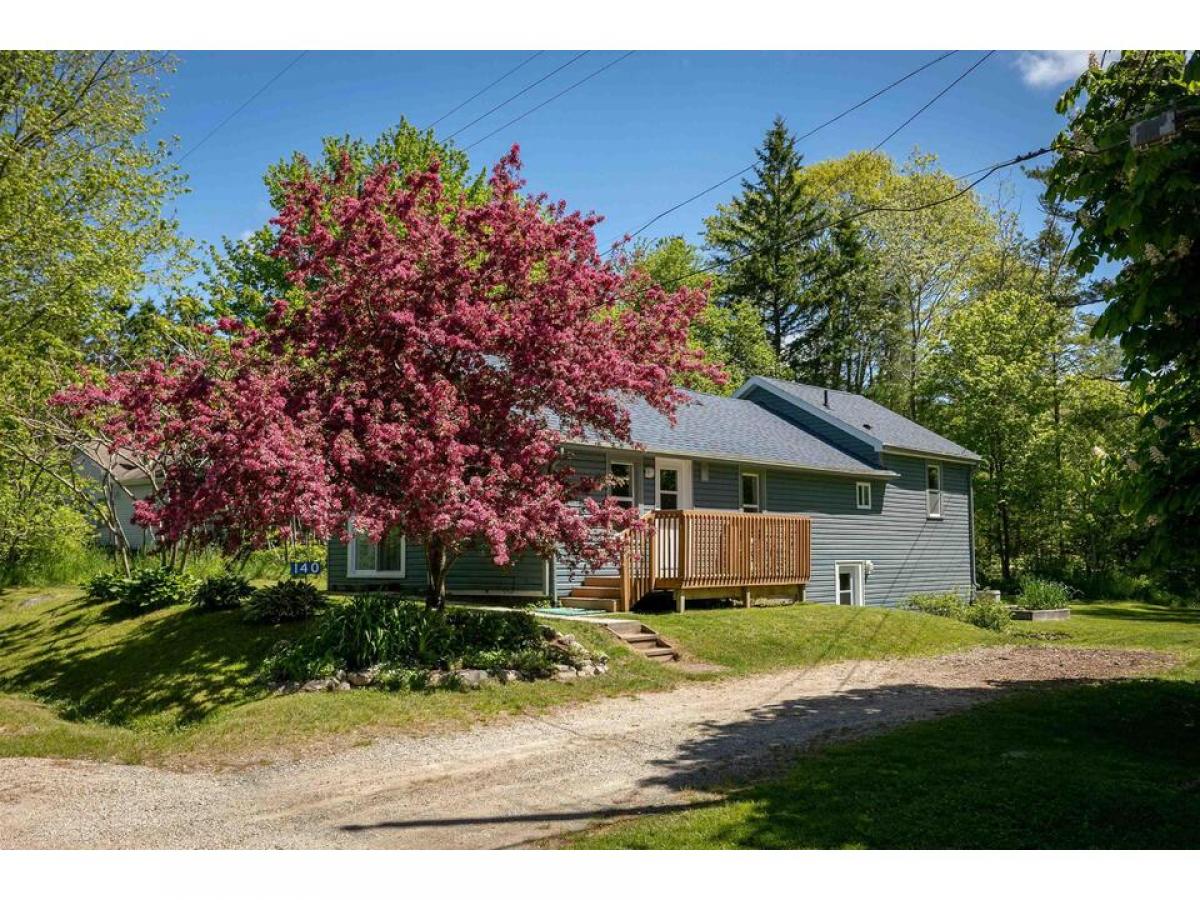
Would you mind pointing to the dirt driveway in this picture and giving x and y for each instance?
(523, 779)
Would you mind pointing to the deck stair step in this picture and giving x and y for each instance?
(609, 581)
(606, 604)
(603, 593)
(643, 640)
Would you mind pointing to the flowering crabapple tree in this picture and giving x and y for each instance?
(435, 356)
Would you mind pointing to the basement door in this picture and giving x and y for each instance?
(850, 578)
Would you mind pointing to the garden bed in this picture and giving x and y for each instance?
(1039, 615)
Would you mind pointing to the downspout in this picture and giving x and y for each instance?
(971, 526)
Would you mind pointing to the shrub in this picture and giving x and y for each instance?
(383, 629)
(106, 587)
(991, 614)
(1041, 593)
(949, 605)
(284, 601)
(222, 592)
(154, 588)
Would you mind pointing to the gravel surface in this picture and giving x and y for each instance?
(525, 779)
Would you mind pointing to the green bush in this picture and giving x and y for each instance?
(383, 629)
(1041, 593)
(948, 605)
(991, 614)
(285, 601)
(149, 589)
(107, 587)
(987, 613)
(222, 592)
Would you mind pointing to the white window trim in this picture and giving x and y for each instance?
(624, 461)
(858, 494)
(858, 569)
(756, 508)
(353, 571)
(930, 493)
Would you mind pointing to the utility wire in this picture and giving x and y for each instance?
(807, 134)
(248, 101)
(484, 90)
(523, 90)
(565, 90)
(938, 96)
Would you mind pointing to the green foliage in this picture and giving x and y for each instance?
(1042, 593)
(383, 629)
(1141, 208)
(767, 241)
(222, 592)
(107, 587)
(290, 600)
(731, 333)
(990, 614)
(42, 539)
(152, 588)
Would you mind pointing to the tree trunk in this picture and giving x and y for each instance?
(438, 561)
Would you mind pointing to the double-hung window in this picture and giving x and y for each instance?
(751, 493)
(383, 559)
(933, 490)
(862, 494)
(620, 473)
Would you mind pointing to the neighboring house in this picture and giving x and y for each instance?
(781, 488)
(131, 484)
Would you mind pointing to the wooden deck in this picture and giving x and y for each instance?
(714, 553)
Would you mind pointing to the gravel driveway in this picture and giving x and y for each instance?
(523, 779)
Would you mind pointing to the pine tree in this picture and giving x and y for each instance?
(767, 242)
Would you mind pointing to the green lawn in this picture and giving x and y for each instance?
(1111, 765)
(180, 687)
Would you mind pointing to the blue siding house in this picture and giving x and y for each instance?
(783, 489)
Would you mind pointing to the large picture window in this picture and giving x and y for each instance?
(384, 559)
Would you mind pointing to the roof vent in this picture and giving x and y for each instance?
(867, 425)
(827, 398)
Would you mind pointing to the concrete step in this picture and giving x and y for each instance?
(590, 603)
(605, 593)
(662, 652)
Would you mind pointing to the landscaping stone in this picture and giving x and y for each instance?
(587, 671)
(319, 684)
(1040, 615)
(473, 678)
(568, 675)
(508, 676)
(363, 678)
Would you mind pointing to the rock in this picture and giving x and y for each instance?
(436, 677)
(319, 684)
(563, 667)
(363, 678)
(570, 640)
(568, 675)
(601, 668)
(508, 676)
(587, 671)
(339, 685)
(473, 678)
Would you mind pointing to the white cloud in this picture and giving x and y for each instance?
(1049, 68)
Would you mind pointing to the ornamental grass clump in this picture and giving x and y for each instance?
(1042, 593)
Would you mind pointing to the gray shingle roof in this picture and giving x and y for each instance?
(868, 418)
(738, 430)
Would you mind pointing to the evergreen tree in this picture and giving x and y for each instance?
(767, 242)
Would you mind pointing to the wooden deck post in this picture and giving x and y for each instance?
(746, 596)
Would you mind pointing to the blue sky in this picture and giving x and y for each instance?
(632, 141)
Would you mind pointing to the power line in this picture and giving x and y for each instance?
(248, 101)
(807, 134)
(484, 90)
(938, 96)
(523, 90)
(565, 90)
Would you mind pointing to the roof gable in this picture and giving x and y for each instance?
(874, 424)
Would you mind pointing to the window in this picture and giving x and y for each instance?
(668, 487)
(384, 559)
(621, 487)
(933, 490)
(845, 593)
(751, 501)
(862, 494)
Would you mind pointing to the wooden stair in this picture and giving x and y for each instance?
(597, 592)
(646, 641)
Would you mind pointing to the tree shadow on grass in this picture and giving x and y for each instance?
(1109, 765)
(175, 667)
(1140, 613)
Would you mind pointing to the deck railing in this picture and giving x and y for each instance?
(681, 549)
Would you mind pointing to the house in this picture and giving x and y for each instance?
(781, 489)
(122, 482)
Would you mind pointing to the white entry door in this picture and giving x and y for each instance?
(673, 484)
(849, 582)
